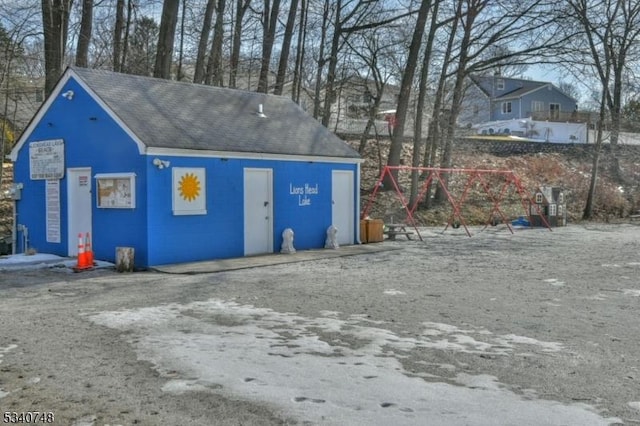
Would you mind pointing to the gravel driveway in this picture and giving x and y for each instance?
(534, 328)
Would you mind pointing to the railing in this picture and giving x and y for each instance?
(560, 116)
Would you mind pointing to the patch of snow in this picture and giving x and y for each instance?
(631, 292)
(41, 261)
(6, 350)
(328, 371)
(554, 282)
(85, 421)
(393, 292)
(634, 404)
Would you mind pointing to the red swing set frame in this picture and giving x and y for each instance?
(473, 175)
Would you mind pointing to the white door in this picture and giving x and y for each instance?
(258, 211)
(342, 208)
(78, 206)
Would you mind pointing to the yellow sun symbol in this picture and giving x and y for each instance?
(189, 187)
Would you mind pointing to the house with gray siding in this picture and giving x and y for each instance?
(497, 98)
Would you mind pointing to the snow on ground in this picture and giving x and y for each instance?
(331, 371)
(2, 352)
(40, 261)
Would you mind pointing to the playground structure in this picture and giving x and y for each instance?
(496, 184)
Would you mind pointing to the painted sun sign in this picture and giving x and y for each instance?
(189, 191)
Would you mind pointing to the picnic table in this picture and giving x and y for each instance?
(393, 229)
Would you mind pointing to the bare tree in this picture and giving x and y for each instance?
(55, 23)
(269, 21)
(300, 51)
(164, 56)
(117, 36)
(143, 47)
(214, 66)
(199, 72)
(84, 38)
(241, 9)
(286, 46)
(422, 95)
(405, 87)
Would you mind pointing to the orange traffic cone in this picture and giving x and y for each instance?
(82, 256)
(88, 252)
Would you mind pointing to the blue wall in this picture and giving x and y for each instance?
(91, 139)
(220, 233)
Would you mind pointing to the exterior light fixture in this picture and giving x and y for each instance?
(160, 164)
(68, 95)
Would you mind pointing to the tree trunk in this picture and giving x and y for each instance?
(321, 61)
(329, 91)
(300, 51)
(237, 41)
(405, 90)
(84, 37)
(214, 67)
(55, 22)
(166, 37)
(117, 36)
(179, 75)
(198, 73)
(286, 47)
(458, 93)
(270, 19)
(127, 31)
(422, 95)
(588, 208)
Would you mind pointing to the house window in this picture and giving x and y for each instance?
(554, 111)
(538, 198)
(116, 190)
(506, 107)
(537, 106)
(561, 198)
(476, 110)
(560, 210)
(552, 209)
(500, 84)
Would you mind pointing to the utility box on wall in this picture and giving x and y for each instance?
(548, 204)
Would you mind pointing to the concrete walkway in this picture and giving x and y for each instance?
(210, 266)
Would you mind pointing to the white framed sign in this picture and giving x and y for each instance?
(53, 210)
(116, 190)
(46, 159)
(189, 191)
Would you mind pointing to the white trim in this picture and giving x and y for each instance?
(180, 152)
(113, 175)
(44, 108)
(36, 118)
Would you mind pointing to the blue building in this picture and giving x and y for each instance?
(178, 171)
(497, 98)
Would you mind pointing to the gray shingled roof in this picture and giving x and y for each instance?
(170, 114)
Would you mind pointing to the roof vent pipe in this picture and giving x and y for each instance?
(260, 112)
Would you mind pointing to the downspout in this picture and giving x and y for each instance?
(14, 228)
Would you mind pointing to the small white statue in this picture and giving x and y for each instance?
(287, 241)
(332, 238)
